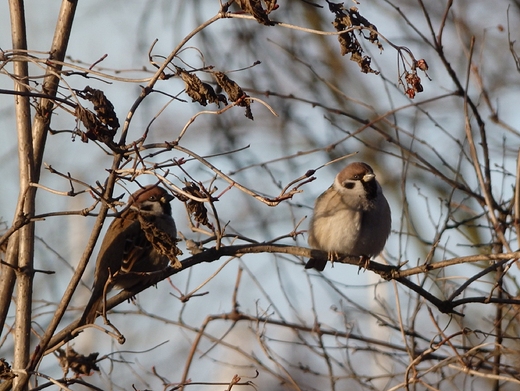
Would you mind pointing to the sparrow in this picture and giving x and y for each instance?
(141, 240)
(351, 217)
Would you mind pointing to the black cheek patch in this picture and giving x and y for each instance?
(349, 185)
(146, 207)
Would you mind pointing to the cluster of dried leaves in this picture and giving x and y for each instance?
(347, 18)
(412, 81)
(203, 92)
(101, 125)
(198, 90)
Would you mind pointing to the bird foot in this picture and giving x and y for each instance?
(332, 256)
(364, 262)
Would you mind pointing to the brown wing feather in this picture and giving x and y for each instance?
(110, 260)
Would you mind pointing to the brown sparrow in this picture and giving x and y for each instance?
(138, 242)
(351, 217)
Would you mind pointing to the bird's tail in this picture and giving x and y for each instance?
(93, 307)
(318, 264)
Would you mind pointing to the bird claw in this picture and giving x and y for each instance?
(332, 257)
(364, 262)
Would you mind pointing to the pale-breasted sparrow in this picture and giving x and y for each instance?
(351, 217)
(140, 241)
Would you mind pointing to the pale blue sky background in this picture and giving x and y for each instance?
(125, 36)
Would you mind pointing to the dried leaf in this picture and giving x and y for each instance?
(101, 125)
(413, 84)
(254, 7)
(161, 241)
(103, 107)
(422, 65)
(199, 91)
(96, 131)
(234, 92)
(411, 93)
(358, 20)
(232, 89)
(77, 363)
(6, 373)
(270, 6)
(195, 208)
(349, 43)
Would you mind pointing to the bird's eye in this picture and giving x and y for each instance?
(349, 185)
(152, 198)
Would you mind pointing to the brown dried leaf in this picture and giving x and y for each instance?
(234, 92)
(199, 91)
(254, 7)
(6, 373)
(196, 208)
(349, 43)
(413, 84)
(96, 131)
(359, 20)
(101, 125)
(411, 93)
(249, 113)
(232, 89)
(422, 65)
(103, 107)
(161, 241)
(77, 363)
(270, 6)
(364, 64)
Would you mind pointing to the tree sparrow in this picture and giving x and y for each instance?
(351, 217)
(138, 242)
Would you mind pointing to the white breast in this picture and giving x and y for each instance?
(338, 232)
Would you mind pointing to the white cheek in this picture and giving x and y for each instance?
(150, 209)
(356, 198)
(157, 209)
